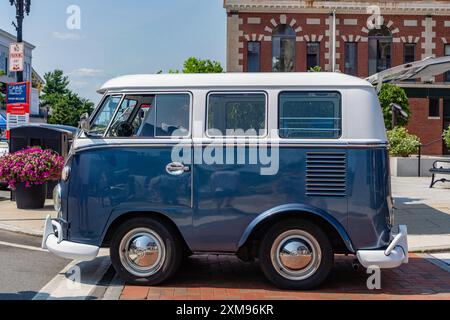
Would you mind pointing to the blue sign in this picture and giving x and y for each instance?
(17, 93)
(2, 122)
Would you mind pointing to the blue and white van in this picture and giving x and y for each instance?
(290, 169)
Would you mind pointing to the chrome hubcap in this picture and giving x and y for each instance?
(296, 255)
(142, 252)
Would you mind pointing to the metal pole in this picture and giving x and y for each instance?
(22, 6)
(19, 17)
(419, 157)
(394, 117)
(333, 42)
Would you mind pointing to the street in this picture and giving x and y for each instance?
(28, 272)
(25, 268)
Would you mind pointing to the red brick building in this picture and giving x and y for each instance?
(355, 37)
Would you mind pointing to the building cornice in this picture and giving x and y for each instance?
(11, 37)
(386, 7)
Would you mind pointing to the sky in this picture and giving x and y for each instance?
(119, 37)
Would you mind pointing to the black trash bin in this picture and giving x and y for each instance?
(55, 137)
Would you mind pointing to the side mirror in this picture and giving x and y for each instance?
(84, 122)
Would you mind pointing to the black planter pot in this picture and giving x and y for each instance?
(32, 197)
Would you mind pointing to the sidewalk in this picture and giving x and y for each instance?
(425, 211)
(30, 222)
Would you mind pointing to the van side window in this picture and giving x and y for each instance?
(310, 115)
(236, 114)
(168, 116)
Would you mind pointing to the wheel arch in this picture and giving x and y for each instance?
(126, 216)
(340, 239)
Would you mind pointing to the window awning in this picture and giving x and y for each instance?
(424, 69)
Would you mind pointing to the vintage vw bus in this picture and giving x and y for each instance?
(290, 169)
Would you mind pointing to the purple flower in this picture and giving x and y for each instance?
(32, 166)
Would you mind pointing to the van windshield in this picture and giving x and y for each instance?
(104, 115)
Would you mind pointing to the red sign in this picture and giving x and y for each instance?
(18, 105)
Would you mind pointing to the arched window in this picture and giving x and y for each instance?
(380, 42)
(283, 49)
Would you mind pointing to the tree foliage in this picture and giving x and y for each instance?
(390, 93)
(446, 137)
(65, 106)
(195, 65)
(402, 143)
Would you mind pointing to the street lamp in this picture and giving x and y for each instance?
(22, 7)
(397, 110)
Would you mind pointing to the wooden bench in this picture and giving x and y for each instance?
(439, 169)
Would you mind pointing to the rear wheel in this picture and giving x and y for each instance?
(296, 254)
(145, 251)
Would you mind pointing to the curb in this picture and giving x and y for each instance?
(437, 249)
(114, 290)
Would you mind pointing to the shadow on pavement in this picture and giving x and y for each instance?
(421, 218)
(419, 279)
(29, 295)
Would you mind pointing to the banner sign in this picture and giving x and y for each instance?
(17, 105)
(17, 93)
(16, 57)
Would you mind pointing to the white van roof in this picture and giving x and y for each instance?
(217, 80)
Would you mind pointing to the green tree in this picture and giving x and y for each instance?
(195, 65)
(67, 109)
(65, 106)
(56, 85)
(390, 93)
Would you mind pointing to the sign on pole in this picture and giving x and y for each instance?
(16, 57)
(17, 105)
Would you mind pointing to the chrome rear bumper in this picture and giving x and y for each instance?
(394, 256)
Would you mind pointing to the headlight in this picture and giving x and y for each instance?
(65, 173)
(57, 198)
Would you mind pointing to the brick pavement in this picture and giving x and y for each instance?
(210, 277)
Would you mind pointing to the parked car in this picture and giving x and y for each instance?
(171, 165)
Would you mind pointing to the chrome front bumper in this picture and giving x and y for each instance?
(394, 256)
(54, 243)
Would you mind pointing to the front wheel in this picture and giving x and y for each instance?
(296, 254)
(145, 251)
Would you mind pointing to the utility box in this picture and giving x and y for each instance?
(55, 137)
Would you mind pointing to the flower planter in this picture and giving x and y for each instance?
(32, 167)
(32, 197)
(409, 166)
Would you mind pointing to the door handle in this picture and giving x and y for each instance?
(177, 169)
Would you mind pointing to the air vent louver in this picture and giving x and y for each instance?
(326, 174)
